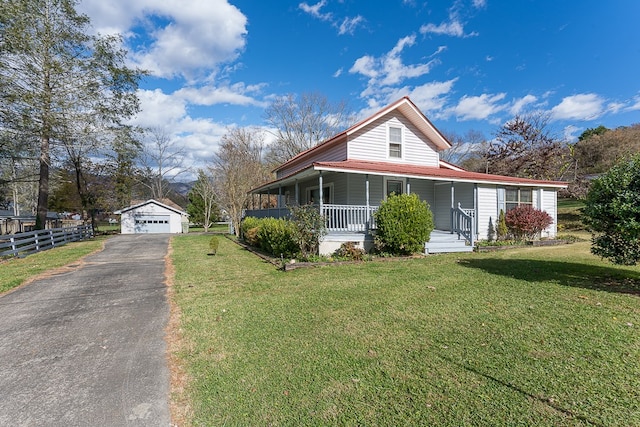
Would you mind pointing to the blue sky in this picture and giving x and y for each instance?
(467, 64)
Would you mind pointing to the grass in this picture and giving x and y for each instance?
(569, 213)
(15, 271)
(536, 336)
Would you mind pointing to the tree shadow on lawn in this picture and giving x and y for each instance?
(609, 279)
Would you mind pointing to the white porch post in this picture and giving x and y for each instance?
(320, 195)
(260, 201)
(268, 202)
(476, 220)
(453, 205)
(366, 192)
(278, 205)
(297, 193)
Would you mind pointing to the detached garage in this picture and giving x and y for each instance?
(153, 217)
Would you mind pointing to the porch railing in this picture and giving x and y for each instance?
(348, 218)
(464, 223)
(339, 218)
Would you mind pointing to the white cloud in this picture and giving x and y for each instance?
(314, 10)
(636, 104)
(519, 104)
(349, 25)
(451, 28)
(345, 25)
(179, 40)
(389, 70)
(236, 94)
(478, 107)
(571, 132)
(479, 3)
(585, 106)
(158, 109)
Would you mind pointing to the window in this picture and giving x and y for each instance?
(313, 194)
(514, 197)
(395, 142)
(394, 186)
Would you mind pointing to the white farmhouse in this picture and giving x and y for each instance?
(397, 151)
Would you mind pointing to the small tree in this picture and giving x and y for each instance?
(526, 223)
(491, 232)
(404, 224)
(612, 212)
(501, 228)
(309, 228)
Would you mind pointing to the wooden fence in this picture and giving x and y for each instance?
(22, 244)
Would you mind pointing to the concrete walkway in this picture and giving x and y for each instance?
(86, 347)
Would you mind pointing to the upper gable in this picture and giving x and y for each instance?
(371, 142)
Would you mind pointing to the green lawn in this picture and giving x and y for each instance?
(569, 212)
(15, 271)
(536, 336)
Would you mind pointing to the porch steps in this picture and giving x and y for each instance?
(445, 242)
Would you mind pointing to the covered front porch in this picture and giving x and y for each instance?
(339, 196)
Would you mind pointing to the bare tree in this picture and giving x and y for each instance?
(301, 122)
(162, 161)
(202, 199)
(465, 147)
(238, 167)
(526, 147)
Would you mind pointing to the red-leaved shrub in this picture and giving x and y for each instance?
(525, 223)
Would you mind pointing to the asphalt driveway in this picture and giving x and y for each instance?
(86, 347)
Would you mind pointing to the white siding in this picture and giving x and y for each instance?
(370, 143)
(424, 189)
(337, 153)
(487, 209)
(550, 205)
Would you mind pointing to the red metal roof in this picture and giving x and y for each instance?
(428, 172)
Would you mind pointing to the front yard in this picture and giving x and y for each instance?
(535, 336)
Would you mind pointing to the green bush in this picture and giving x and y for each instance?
(502, 232)
(612, 213)
(309, 228)
(213, 245)
(404, 224)
(276, 236)
(247, 224)
(349, 251)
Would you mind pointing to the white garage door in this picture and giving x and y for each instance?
(152, 224)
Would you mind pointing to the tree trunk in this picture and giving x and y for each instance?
(43, 184)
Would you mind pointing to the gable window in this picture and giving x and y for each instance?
(395, 142)
(514, 197)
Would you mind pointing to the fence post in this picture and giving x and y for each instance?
(53, 243)
(13, 245)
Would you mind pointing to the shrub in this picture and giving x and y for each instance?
(612, 213)
(248, 223)
(213, 245)
(404, 224)
(276, 236)
(525, 222)
(349, 251)
(308, 228)
(501, 227)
